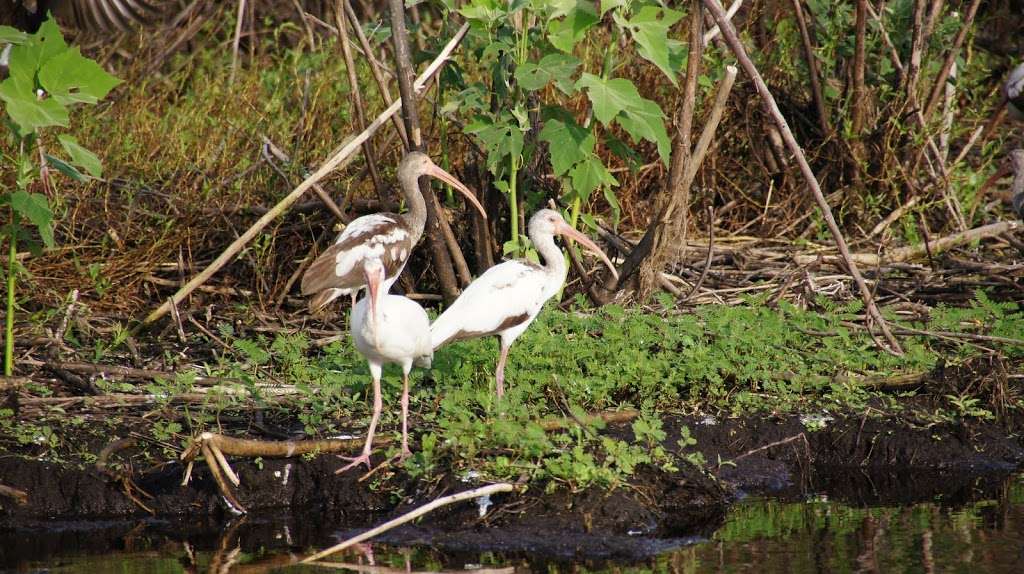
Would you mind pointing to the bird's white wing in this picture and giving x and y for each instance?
(381, 236)
(505, 296)
(1014, 90)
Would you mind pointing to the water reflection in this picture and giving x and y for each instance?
(763, 535)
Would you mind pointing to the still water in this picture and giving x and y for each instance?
(757, 535)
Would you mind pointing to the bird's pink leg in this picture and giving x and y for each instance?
(378, 406)
(499, 375)
(406, 453)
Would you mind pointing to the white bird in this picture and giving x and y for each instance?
(388, 237)
(399, 332)
(1013, 90)
(507, 297)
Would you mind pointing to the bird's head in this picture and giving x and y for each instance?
(416, 163)
(550, 222)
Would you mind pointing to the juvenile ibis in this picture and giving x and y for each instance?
(507, 297)
(388, 329)
(388, 237)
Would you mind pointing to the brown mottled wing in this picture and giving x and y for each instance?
(384, 236)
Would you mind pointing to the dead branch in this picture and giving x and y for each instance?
(337, 159)
(812, 66)
(773, 110)
(947, 66)
(412, 515)
(913, 251)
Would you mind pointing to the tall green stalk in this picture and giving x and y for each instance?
(12, 254)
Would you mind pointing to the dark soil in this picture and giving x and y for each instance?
(860, 460)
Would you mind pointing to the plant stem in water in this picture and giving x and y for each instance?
(9, 327)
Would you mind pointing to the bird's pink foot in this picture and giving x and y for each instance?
(355, 461)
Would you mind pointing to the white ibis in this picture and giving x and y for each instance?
(1013, 90)
(388, 237)
(507, 297)
(388, 329)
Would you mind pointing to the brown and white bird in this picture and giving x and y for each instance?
(389, 237)
(509, 296)
(388, 329)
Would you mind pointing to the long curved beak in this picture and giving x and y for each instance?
(373, 281)
(436, 171)
(568, 231)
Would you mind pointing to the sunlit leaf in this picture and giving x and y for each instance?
(25, 107)
(10, 35)
(588, 175)
(649, 28)
(609, 97)
(70, 77)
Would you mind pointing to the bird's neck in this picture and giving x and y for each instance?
(554, 259)
(417, 216)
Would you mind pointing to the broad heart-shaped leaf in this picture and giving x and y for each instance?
(26, 110)
(70, 77)
(553, 67)
(649, 28)
(501, 139)
(29, 56)
(10, 35)
(563, 34)
(65, 168)
(609, 97)
(568, 142)
(35, 208)
(80, 156)
(645, 120)
(588, 174)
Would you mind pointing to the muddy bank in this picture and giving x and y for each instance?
(858, 460)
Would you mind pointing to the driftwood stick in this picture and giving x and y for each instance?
(236, 40)
(913, 251)
(773, 110)
(412, 515)
(19, 496)
(337, 159)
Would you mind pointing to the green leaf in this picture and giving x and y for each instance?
(588, 174)
(646, 121)
(81, 156)
(607, 5)
(609, 97)
(65, 168)
(563, 34)
(70, 77)
(486, 11)
(553, 67)
(35, 208)
(649, 28)
(501, 139)
(568, 142)
(10, 35)
(613, 202)
(623, 151)
(28, 57)
(24, 107)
